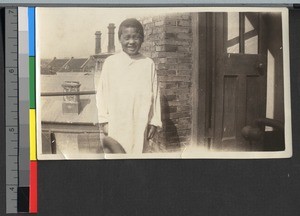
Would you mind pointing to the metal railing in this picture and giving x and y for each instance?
(51, 94)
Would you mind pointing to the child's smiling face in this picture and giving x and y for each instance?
(131, 40)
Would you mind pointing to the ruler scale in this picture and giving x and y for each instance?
(12, 109)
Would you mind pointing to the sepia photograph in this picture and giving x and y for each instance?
(134, 83)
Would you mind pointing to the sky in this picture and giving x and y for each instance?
(70, 32)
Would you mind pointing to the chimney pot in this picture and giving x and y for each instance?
(71, 103)
(98, 42)
(111, 38)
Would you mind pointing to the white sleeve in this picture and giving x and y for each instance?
(155, 118)
(102, 96)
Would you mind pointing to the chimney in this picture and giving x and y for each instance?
(71, 103)
(97, 42)
(111, 38)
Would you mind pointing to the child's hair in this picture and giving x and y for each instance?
(134, 23)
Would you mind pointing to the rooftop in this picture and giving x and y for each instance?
(51, 106)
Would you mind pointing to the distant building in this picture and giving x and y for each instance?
(53, 66)
(90, 64)
(77, 65)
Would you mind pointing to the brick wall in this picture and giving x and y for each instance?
(168, 41)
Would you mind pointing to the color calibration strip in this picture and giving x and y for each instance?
(24, 172)
(32, 113)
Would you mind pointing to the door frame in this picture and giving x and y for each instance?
(202, 78)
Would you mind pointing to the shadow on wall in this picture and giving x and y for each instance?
(167, 140)
(169, 135)
(84, 103)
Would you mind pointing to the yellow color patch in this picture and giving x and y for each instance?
(32, 134)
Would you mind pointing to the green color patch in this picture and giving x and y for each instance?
(32, 81)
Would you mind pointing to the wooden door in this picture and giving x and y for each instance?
(239, 83)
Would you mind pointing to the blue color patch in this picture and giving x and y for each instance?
(31, 30)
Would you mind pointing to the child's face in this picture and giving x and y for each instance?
(131, 41)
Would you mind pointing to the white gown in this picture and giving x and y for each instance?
(128, 99)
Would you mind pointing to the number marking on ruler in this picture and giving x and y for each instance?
(11, 108)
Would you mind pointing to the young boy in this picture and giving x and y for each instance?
(128, 93)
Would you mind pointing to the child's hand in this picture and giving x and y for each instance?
(151, 131)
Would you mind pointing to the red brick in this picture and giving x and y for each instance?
(172, 60)
(183, 84)
(156, 37)
(184, 120)
(162, 60)
(183, 43)
(171, 85)
(159, 30)
(177, 91)
(147, 33)
(170, 22)
(173, 66)
(169, 126)
(184, 109)
(169, 110)
(185, 60)
(147, 44)
(170, 48)
(184, 49)
(159, 48)
(164, 41)
(174, 78)
(162, 66)
(184, 36)
(166, 72)
(185, 16)
(171, 134)
(185, 66)
(168, 85)
(170, 91)
(183, 139)
(183, 96)
(148, 25)
(179, 115)
(187, 54)
(184, 126)
(184, 133)
(184, 23)
(172, 29)
(171, 54)
(171, 97)
(183, 30)
(171, 122)
(178, 103)
(184, 72)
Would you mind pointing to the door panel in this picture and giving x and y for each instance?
(230, 112)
